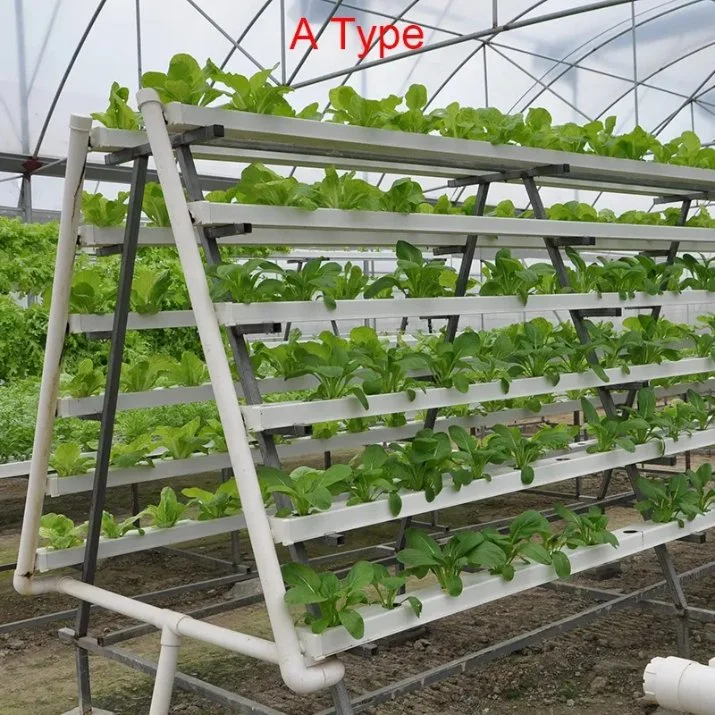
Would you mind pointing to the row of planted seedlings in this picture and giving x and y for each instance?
(188, 82)
(427, 464)
(365, 365)
(529, 537)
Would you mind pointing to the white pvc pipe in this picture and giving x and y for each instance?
(57, 324)
(165, 672)
(161, 618)
(681, 685)
(296, 675)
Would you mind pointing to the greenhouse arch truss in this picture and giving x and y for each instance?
(626, 63)
(175, 138)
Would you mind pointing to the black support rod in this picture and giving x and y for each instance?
(109, 410)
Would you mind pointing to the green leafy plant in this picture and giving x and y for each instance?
(113, 529)
(90, 292)
(423, 554)
(419, 465)
(665, 500)
(143, 373)
(415, 276)
(389, 586)
(167, 512)
(60, 532)
(189, 371)
(509, 276)
(154, 206)
(185, 81)
(308, 489)
(589, 529)
(87, 380)
(336, 599)
(182, 442)
(244, 282)
(150, 291)
(472, 457)
(68, 460)
(524, 451)
(214, 505)
(611, 432)
(100, 211)
(370, 478)
(518, 544)
(137, 452)
(118, 115)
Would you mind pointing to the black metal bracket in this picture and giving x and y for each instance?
(448, 250)
(512, 175)
(679, 198)
(230, 229)
(600, 312)
(562, 241)
(292, 431)
(200, 135)
(257, 328)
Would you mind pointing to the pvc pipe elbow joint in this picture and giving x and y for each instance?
(305, 680)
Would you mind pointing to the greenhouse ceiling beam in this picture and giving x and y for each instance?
(13, 163)
(479, 34)
(604, 73)
(627, 30)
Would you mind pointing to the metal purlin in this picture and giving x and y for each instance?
(241, 355)
(577, 316)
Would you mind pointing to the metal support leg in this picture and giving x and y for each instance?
(109, 409)
(609, 406)
(249, 384)
(460, 289)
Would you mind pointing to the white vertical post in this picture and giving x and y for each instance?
(165, 672)
(295, 674)
(56, 327)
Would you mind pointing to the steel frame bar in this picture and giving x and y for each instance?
(609, 406)
(249, 383)
(106, 431)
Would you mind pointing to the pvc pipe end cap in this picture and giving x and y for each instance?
(711, 663)
(147, 94)
(651, 675)
(80, 122)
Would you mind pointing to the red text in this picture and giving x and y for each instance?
(384, 37)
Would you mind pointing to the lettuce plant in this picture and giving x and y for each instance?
(113, 529)
(589, 529)
(167, 512)
(183, 442)
(185, 81)
(150, 291)
(214, 505)
(100, 211)
(68, 460)
(308, 489)
(154, 206)
(137, 452)
(244, 282)
(388, 587)
(143, 373)
(118, 115)
(60, 532)
(465, 549)
(87, 380)
(509, 276)
(90, 292)
(189, 371)
(336, 599)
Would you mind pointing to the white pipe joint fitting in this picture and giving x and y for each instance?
(681, 685)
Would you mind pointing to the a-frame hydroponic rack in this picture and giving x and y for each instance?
(185, 133)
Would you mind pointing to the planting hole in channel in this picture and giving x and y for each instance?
(631, 531)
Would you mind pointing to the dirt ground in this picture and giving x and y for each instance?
(595, 670)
